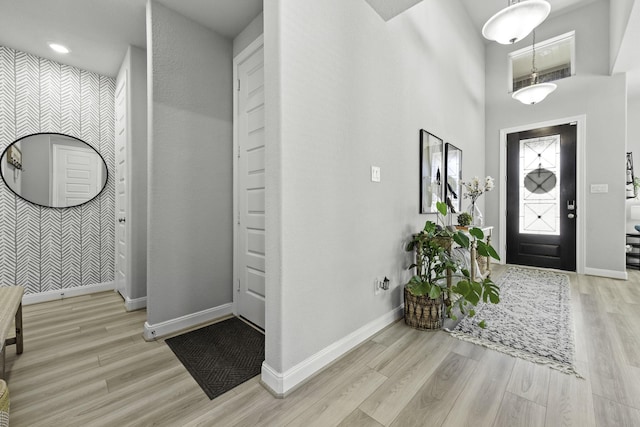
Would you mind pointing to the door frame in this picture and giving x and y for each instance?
(581, 126)
(237, 60)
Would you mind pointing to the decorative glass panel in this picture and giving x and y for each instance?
(540, 185)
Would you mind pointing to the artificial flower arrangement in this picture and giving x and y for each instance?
(475, 188)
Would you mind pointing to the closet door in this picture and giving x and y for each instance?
(121, 267)
(250, 185)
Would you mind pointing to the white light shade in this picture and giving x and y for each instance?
(59, 48)
(516, 22)
(534, 93)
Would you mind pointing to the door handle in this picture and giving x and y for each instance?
(122, 220)
(571, 216)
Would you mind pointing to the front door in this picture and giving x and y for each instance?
(541, 197)
(250, 250)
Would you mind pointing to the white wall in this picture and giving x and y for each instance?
(190, 162)
(35, 174)
(347, 91)
(619, 11)
(249, 34)
(592, 92)
(633, 131)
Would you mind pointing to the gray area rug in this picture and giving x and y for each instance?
(220, 356)
(532, 321)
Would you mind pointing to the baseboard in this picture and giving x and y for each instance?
(613, 274)
(57, 294)
(135, 303)
(169, 327)
(279, 384)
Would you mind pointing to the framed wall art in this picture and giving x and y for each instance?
(431, 171)
(453, 180)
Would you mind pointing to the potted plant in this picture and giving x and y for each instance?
(440, 280)
(464, 219)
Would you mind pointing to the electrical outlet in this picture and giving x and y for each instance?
(381, 285)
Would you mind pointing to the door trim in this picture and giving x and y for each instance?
(581, 125)
(237, 60)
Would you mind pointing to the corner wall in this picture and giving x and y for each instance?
(592, 91)
(49, 249)
(189, 243)
(346, 91)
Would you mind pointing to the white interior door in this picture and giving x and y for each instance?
(250, 168)
(77, 175)
(120, 275)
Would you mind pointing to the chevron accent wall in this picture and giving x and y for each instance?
(46, 249)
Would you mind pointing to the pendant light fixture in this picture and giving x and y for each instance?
(516, 21)
(535, 92)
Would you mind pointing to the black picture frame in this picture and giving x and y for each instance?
(453, 177)
(630, 176)
(431, 169)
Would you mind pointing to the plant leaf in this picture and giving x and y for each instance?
(463, 287)
(482, 324)
(442, 208)
(435, 292)
(476, 232)
(461, 239)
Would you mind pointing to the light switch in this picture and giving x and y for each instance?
(599, 188)
(375, 173)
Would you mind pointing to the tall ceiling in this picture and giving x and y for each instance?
(98, 31)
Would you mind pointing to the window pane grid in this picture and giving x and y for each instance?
(540, 185)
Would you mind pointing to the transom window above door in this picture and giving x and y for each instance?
(555, 60)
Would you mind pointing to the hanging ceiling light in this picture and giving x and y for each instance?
(535, 92)
(516, 21)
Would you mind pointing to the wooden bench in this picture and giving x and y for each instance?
(10, 309)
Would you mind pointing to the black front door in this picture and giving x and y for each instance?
(541, 197)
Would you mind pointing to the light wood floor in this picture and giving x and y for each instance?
(85, 364)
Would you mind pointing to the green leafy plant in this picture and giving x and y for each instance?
(434, 265)
(464, 219)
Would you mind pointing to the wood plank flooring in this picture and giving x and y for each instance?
(85, 364)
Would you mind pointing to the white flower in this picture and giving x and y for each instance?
(475, 189)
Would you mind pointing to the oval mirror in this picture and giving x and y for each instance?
(53, 170)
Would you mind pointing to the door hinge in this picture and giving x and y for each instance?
(238, 85)
(238, 217)
(238, 150)
(238, 285)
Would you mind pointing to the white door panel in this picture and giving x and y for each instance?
(250, 250)
(121, 275)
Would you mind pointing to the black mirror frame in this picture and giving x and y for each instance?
(106, 168)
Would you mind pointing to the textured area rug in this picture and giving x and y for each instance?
(220, 356)
(532, 321)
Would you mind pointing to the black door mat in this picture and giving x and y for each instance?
(220, 356)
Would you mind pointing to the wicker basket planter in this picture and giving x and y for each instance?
(422, 312)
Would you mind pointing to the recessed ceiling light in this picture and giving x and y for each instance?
(59, 48)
